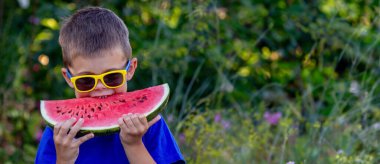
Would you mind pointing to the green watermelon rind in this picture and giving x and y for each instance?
(112, 129)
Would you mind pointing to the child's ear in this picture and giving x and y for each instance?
(132, 68)
(67, 79)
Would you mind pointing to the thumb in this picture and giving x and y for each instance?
(85, 138)
(154, 120)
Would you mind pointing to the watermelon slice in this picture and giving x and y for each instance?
(101, 114)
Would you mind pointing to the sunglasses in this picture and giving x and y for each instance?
(111, 79)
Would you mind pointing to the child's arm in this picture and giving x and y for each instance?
(132, 129)
(66, 146)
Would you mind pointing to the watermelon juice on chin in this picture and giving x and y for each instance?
(100, 115)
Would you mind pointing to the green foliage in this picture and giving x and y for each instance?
(228, 64)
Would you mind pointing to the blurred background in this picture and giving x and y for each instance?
(261, 81)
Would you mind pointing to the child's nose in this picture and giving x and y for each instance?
(100, 85)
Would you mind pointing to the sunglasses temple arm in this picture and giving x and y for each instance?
(127, 67)
(68, 73)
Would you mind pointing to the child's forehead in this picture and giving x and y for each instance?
(97, 64)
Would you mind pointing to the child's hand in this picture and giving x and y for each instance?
(66, 146)
(133, 127)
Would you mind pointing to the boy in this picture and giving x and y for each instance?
(95, 41)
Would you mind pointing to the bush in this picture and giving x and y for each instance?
(263, 81)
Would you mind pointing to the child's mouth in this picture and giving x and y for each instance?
(101, 94)
(101, 97)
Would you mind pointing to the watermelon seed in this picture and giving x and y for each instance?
(88, 116)
(92, 109)
(122, 100)
(99, 108)
(69, 111)
(58, 111)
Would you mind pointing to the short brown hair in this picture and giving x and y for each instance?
(91, 30)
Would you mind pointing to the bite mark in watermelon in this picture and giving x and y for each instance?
(101, 114)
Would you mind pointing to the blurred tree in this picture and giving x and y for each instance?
(214, 54)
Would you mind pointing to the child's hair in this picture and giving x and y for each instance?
(91, 31)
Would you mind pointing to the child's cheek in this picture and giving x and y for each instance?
(81, 95)
(121, 89)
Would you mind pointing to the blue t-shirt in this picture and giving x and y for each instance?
(158, 140)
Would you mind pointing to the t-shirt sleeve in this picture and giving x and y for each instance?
(161, 144)
(46, 149)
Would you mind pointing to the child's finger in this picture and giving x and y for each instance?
(143, 120)
(122, 124)
(127, 120)
(74, 130)
(154, 120)
(66, 126)
(57, 127)
(82, 139)
(137, 123)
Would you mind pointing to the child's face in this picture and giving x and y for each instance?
(112, 60)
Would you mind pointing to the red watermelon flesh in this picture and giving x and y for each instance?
(101, 114)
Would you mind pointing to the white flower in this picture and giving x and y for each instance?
(355, 88)
(376, 126)
(24, 3)
(226, 85)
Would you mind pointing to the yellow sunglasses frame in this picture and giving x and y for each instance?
(97, 78)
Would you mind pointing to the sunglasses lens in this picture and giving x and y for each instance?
(85, 83)
(114, 79)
